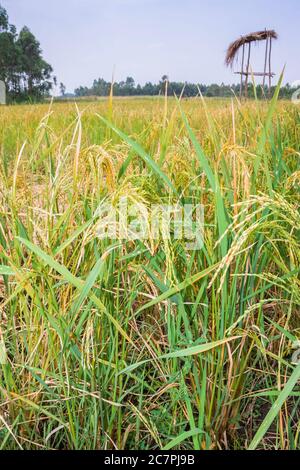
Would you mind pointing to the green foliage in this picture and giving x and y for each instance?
(26, 74)
(143, 345)
(62, 89)
(128, 88)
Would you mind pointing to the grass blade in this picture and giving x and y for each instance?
(192, 351)
(78, 283)
(141, 152)
(275, 409)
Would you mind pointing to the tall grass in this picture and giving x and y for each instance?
(146, 345)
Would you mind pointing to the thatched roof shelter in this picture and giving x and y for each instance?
(234, 48)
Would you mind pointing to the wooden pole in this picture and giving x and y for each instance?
(242, 71)
(248, 66)
(266, 61)
(270, 67)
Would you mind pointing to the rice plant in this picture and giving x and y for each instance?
(144, 344)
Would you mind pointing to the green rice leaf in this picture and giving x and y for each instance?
(275, 409)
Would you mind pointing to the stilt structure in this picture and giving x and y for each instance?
(244, 43)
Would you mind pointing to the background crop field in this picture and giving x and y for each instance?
(145, 345)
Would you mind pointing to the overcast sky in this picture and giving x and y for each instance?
(185, 39)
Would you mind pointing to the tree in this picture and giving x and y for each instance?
(25, 73)
(165, 82)
(100, 88)
(3, 19)
(62, 89)
(9, 53)
(129, 84)
(36, 72)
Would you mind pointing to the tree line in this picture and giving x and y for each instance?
(128, 87)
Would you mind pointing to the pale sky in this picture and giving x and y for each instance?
(185, 39)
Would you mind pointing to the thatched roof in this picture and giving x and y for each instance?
(234, 48)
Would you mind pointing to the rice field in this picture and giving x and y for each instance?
(144, 344)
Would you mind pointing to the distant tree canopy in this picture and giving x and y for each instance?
(128, 88)
(26, 74)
